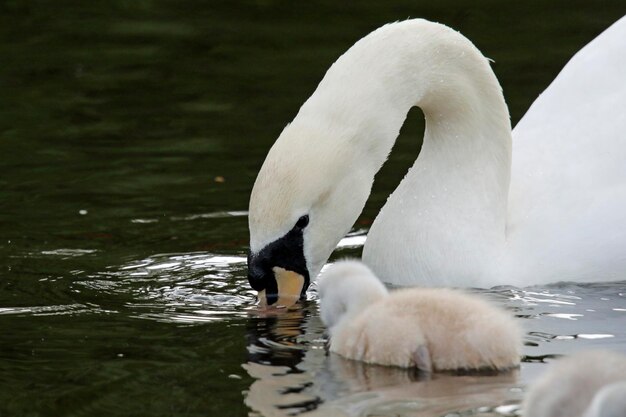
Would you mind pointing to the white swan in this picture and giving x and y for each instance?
(477, 208)
(587, 384)
(431, 329)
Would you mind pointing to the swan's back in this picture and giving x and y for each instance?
(567, 204)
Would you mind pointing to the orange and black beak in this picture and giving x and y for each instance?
(279, 272)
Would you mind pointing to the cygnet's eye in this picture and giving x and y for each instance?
(302, 222)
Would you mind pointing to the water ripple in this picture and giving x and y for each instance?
(54, 310)
(213, 215)
(181, 288)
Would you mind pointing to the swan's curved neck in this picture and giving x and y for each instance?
(458, 186)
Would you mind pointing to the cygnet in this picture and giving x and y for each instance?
(586, 384)
(431, 329)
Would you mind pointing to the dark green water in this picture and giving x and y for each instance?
(122, 269)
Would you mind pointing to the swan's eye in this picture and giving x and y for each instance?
(302, 222)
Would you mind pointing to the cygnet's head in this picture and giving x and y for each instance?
(345, 288)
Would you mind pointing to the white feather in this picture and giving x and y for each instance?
(452, 220)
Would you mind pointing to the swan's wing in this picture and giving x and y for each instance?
(567, 204)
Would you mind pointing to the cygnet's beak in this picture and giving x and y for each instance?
(289, 288)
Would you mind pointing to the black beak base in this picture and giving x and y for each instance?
(286, 252)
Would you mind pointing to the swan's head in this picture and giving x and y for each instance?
(346, 288)
(307, 196)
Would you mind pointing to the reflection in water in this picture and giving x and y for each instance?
(376, 390)
(277, 346)
(294, 375)
(285, 357)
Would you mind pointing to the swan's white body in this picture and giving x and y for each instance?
(567, 203)
(587, 384)
(431, 329)
(478, 208)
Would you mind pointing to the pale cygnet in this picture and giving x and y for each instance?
(431, 329)
(586, 384)
(610, 401)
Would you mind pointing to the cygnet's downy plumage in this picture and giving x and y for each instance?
(431, 329)
(586, 384)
